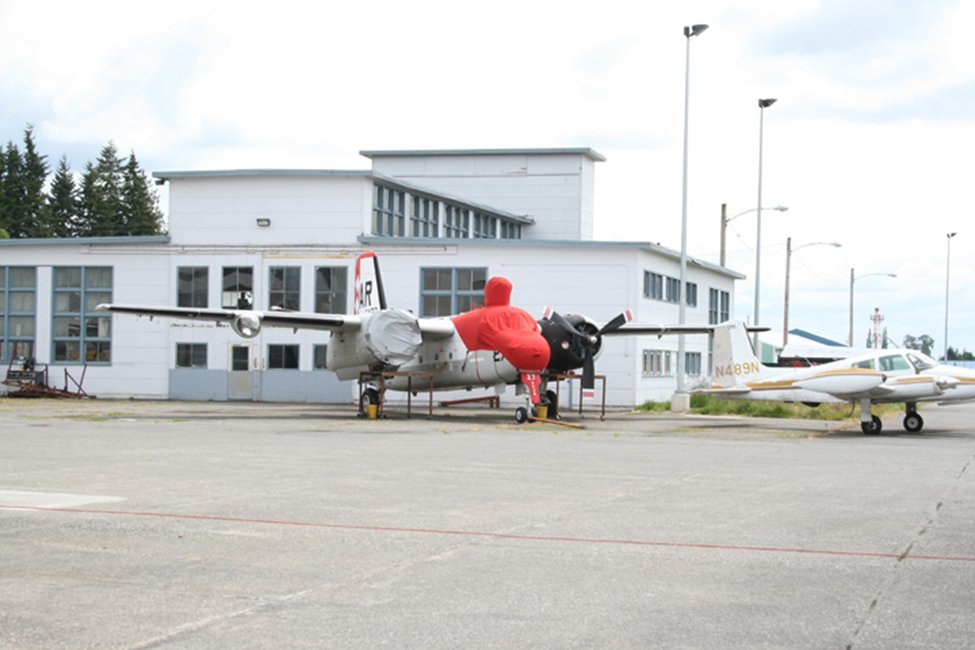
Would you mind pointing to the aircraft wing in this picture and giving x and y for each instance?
(288, 319)
(659, 330)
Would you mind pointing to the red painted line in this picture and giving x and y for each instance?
(511, 536)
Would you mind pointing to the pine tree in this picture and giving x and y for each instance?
(89, 202)
(139, 203)
(101, 196)
(35, 172)
(12, 192)
(63, 205)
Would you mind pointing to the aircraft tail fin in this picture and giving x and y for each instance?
(369, 294)
(733, 357)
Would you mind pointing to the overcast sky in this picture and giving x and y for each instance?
(870, 144)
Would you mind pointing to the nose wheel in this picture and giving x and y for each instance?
(872, 427)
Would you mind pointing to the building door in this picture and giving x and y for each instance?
(244, 375)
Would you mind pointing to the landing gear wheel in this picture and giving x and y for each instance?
(553, 404)
(521, 415)
(369, 397)
(873, 427)
(913, 423)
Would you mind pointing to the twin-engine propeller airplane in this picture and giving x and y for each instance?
(493, 345)
(882, 377)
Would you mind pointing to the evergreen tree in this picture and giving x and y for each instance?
(3, 194)
(109, 215)
(115, 197)
(11, 191)
(139, 203)
(35, 172)
(63, 205)
(89, 202)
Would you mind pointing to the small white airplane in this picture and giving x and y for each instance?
(882, 377)
(493, 345)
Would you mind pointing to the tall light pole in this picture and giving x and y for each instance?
(693, 30)
(725, 219)
(951, 236)
(762, 105)
(789, 250)
(854, 278)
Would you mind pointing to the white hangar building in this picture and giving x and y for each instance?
(441, 222)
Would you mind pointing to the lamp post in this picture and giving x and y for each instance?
(951, 236)
(762, 105)
(725, 219)
(693, 30)
(788, 263)
(854, 278)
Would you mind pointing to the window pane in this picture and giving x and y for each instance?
(21, 326)
(67, 277)
(95, 298)
(21, 277)
(67, 301)
(321, 357)
(21, 301)
(240, 358)
(67, 326)
(67, 351)
(99, 278)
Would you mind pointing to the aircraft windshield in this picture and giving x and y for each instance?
(921, 361)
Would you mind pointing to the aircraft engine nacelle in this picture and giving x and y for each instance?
(387, 340)
(568, 350)
(246, 324)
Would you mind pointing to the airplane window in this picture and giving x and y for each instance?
(894, 362)
(921, 361)
(868, 364)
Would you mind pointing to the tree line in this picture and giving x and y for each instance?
(113, 197)
(925, 344)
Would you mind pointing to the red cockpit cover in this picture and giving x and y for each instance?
(498, 326)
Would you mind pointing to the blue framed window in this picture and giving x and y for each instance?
(18, 309)
(389, 212)
(448, 291)
(81, 334)
(425, 219)
(457, 222)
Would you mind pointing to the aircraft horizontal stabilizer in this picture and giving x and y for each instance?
(718, 392)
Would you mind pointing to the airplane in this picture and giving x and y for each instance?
(885, 376)
(493, 345)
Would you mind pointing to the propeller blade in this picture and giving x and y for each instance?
(619, 321)
(589, 371)
(558, 318)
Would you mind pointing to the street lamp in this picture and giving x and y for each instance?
(788, 263)
(762, 105)
(725, 219)
(951, 236)
(693, 30)
(854, 278)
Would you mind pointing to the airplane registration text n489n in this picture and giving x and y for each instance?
(737, 369)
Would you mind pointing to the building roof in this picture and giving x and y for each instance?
(390, 153)
(233, 173)
(588, 244)
(85, 241)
